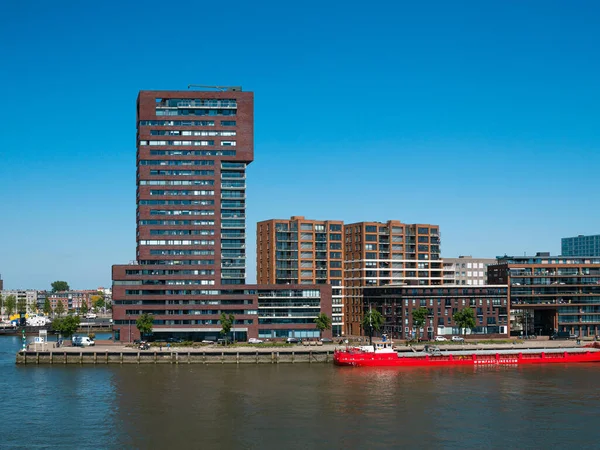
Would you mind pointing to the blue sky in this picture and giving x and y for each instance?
(481, 117)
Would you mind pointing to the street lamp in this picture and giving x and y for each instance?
(129, 321)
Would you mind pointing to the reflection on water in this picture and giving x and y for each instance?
(298, 406)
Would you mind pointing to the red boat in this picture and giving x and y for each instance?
(382, 354)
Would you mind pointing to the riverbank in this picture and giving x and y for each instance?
(114, 353)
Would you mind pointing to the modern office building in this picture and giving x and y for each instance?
(396, 303)
(390, 253)
(581, 245)
(193, 148)
(466, 270)
(551, 293)
(301, 251)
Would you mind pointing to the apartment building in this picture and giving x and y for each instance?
(551, 293)
(390, 253)
(466, 270)
(193, 149)
(302, 251)
(29, 296)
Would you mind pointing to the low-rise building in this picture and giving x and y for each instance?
(193, 313)
(71, 300)
(396, 304)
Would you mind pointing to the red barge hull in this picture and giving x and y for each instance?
(358, 358)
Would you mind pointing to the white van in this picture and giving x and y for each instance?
(82, 341)
(91, 316)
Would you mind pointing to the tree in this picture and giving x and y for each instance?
(33, 308)
(144, 324)
(323, 322)
(10, 304)
(97, 302)
(419, 316)
(47, 306)
(372, 320)
(226, 324)
(1, 304)
(465, 318)
(66, 326)
(58, 286)
(22, 306)
(60, 308)
(84, 307)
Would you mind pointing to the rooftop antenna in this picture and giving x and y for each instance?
(220, 88)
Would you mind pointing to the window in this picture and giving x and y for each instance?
(371, 238)
(228, 123)
(228, 143)
(371, 229)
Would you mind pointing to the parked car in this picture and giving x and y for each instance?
(91, 316)
(327, 340)
(458, 339)
(174, 340)
(440, 338)
(293, 340)
(254, 341)
(562, 335)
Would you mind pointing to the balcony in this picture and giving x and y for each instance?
(225, 245)
(233, 185)
(233, 176)
(233, 205)
(233, 236)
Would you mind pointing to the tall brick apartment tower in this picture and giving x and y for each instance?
(191, 174)
(380, 254)
(193, 148)
(301, 251)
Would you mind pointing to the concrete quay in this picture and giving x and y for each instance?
(116, 354)
(111, 353)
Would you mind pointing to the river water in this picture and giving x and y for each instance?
(298, 406)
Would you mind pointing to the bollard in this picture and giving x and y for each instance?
(237, 358)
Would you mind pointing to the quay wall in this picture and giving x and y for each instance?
(173, 357)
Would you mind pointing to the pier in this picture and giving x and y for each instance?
(113, 355)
